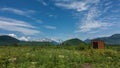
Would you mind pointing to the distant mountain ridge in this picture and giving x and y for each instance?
(6, 40)
(113, 39)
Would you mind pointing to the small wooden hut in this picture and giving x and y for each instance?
(97, 44)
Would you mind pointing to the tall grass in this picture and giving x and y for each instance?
(57, 57)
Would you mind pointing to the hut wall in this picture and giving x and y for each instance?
(99, 43)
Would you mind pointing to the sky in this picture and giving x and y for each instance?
(59, 19)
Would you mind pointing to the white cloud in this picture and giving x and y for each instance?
(23, 38)
(90, 22)
(108, 3)
(17, 26)
(19, 12)
(12, 35)
(36, 20)
(76, 5)
(42, 2)
(50, 27)
(92, 25)
(51, 15)
(26, 13)
(79, 6)
(107, 8)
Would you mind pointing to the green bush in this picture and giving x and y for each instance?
(82, 47)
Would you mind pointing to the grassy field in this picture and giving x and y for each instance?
(58, 57)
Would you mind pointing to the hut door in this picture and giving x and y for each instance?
(95, 45)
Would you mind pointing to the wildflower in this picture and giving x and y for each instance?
(27, 53)
(32, 55)
(109, 58)
(12, 59)
(76, 53)
(61, 56)
(33, 63)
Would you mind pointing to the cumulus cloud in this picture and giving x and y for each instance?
(17, 26)
(22, 38)
(12, 35)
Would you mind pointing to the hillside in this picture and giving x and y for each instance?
(4, 39)
(113, 40)
(74, 41)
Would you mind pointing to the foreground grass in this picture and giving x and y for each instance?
(57, 57)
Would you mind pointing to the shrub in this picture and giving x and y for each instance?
(82, 47)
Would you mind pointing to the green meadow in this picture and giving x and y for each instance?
(59, 57)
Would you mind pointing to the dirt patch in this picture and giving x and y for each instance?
(87, 65)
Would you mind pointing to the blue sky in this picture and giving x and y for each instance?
(59, 19)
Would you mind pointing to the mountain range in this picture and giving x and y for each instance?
(8, 40)
(112, 40)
